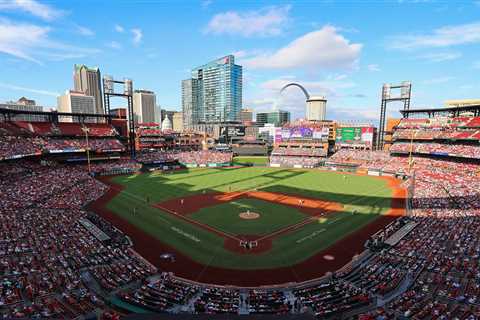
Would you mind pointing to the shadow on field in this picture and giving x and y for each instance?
(276, 176)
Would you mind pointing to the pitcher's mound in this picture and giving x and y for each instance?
(249, 215)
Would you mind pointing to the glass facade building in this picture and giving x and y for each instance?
(277, 118)
(214, 93)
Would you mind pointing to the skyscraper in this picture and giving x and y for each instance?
(214, 92)
(88, 81)
(144, 104)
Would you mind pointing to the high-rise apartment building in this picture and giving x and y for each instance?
(144, 105)
(89, 81)
(214, 93)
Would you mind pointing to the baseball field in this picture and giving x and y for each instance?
(250, 225)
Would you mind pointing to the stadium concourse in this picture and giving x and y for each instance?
(60, 261)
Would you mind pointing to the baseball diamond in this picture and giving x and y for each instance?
(309, 222)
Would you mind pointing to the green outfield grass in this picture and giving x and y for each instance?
(367, 196)
(259, 161)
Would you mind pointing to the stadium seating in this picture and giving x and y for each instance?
(186, 157)
(52, 266)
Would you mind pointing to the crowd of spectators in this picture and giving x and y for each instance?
(203, 157)
(461, 150)
(161, 294)
(292, 161)
(46, 255)
(18, 141)
(218, 300)
(440, 255)
(268, 302)
(300, 151)
(113, 167)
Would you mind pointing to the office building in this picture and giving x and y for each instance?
(144, 105)
(246, 115)
(277, 118)
(24, 104)
(177, 121)
(76, 102)
(213, 94)
(88, 81)
(316, 108)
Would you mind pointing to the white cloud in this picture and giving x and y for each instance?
(438, 80)
(373, 67)
(84, 31)
(137, 36)
(114, 45)
(31, 42)
(324, 48)
(327, 87)
(269, 97)
(30, 90)
(441, 37)
(441, 56)
(356, 114)
(269, 21)
(119, 28)
(33, 7)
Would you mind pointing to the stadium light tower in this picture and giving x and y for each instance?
(405, 94)
(86, 130)
(109, 91)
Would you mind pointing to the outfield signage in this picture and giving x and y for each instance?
(354, 135)
(302, 132)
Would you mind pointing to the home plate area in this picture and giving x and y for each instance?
(249, 220)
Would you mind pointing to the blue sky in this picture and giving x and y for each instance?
(344, 50)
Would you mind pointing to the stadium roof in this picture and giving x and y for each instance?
(451, 111)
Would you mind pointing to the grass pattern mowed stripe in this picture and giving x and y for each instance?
(369, 197)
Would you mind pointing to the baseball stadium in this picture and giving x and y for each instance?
(317, 222)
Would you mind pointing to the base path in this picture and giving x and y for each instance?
(191, 204)
(328, 260)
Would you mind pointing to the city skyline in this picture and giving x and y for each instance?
(346, 53)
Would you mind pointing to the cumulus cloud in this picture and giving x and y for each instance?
(441, 37)
(269, 21)
(32, 7)
(324, 48)
(31, 42)
(137, 35)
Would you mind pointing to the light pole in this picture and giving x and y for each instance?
(86, 130)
